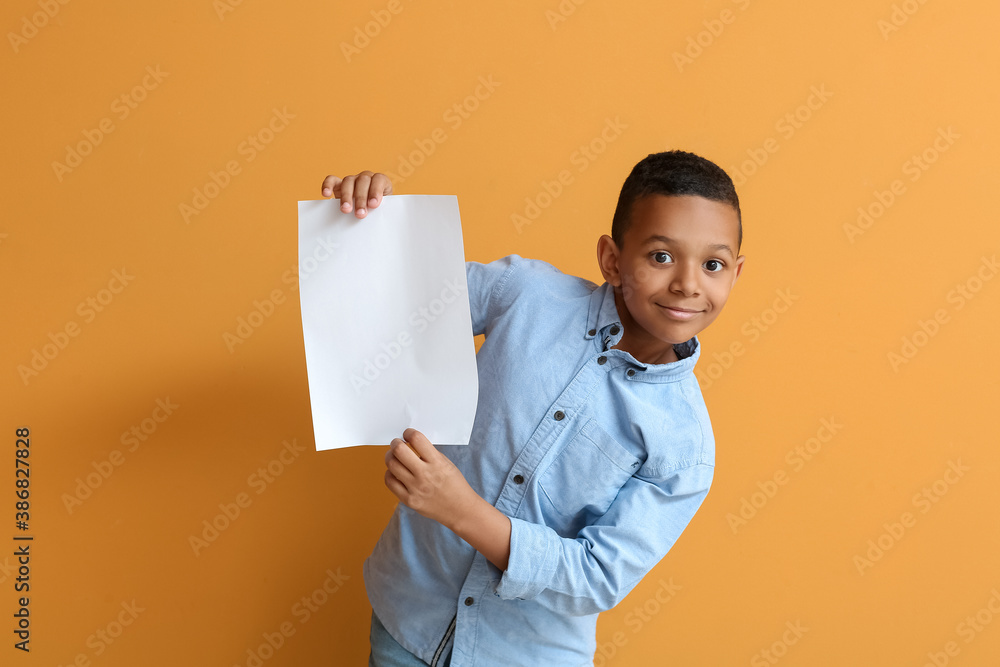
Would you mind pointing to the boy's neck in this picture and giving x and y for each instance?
(648, 351)
(650, 357)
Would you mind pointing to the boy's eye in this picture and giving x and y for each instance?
(661, 257)
(717, 263)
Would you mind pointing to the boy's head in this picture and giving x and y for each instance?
(674, 173)
(673, 254)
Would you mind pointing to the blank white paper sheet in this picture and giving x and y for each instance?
(386, 322)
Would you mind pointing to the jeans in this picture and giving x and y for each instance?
(386, 651)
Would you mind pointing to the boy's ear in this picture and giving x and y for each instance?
(739, 268)
(607, 258)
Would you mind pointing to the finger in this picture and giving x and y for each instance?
(400, 472)
(419, 443)
(330, 183)
(346, 193)
(406, 455)
(380, 186)
(361, 184)
(394, 485)
(404, 442)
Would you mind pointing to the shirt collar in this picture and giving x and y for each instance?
(603, 314)
(603, 319)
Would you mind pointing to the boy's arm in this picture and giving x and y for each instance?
(426, 481)
(595, 570)
(420, 476)
(587, 574)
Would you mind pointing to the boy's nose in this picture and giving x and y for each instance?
(685, 281)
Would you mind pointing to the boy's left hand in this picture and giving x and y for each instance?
(425, 480)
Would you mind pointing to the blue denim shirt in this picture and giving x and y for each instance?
(599, 461)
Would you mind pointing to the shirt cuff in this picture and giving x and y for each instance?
(532, 563)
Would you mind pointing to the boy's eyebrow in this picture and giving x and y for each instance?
(667, 239)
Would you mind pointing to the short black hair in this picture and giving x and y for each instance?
(673, 173)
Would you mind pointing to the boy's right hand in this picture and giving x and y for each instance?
(360, 192)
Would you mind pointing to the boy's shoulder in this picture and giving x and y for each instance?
(672, 421)
(541, 276)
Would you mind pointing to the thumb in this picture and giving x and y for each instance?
(330, 184)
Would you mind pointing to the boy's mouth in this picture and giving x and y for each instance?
(680, 313)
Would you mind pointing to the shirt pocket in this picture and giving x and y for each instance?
(585, 477)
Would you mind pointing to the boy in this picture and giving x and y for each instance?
(592, 447)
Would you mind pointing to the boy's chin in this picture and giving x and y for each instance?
(682, 334)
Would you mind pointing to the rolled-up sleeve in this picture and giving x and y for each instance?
(594, 571)
(486, 283)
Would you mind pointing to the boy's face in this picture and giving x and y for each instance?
(673, 273)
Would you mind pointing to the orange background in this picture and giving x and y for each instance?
(891, 75)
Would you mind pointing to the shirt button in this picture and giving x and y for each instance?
(592, 332)
(602, 360)
(614, 330)
(468, 602)
(558, 416)
(630, 372)
(518, 479)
